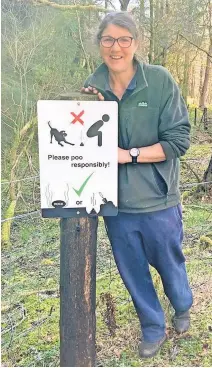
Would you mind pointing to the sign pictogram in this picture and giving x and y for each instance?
(78, 162)
(77, 117)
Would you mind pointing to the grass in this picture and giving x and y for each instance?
(30, 297)
(35, 267)
(190, 349)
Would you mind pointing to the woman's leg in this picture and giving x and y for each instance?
(162, 235)
(130, 256)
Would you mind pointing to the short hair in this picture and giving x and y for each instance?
(121, 19)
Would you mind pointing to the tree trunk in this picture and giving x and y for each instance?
(124, 4)
(203, 94)
(167, 7)
(141, 19)
(193, 84)
(162, 8)
(157, 47)
(151, 46)
(186, 76)
(157, 11)
(21, 142)
(208, 173)
(164, 57)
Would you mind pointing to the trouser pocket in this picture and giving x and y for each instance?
(178, 213)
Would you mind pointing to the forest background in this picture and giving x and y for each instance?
(48, 49)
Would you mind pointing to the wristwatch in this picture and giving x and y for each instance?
(134, 153)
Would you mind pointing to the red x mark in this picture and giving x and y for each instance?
(77, 117)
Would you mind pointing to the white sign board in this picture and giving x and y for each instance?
(78, 152)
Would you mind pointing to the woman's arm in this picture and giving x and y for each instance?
(149, 154)
(173, 128)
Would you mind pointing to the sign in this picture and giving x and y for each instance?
(78, 157)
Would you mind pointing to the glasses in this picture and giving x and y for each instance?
(124, 41)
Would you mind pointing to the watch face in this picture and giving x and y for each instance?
(134, 152)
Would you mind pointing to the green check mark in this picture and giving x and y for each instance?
(80, 190)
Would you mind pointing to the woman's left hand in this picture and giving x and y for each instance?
(92, 90)
(123, 156)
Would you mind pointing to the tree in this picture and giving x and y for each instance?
(207, 21)
(124, 4)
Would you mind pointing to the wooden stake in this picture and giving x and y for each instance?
(78, 284)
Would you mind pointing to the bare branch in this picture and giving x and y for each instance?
(210, 56)
(81, 41)
(70, 7)
(192, 170)
(111, 3)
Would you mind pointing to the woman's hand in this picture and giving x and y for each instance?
(94, 91)
(123, 156)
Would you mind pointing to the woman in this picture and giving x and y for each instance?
(153, 134)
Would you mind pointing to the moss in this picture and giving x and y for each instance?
(35, 267)
(47, 262)
(205, 242)
(198, 151)
(42, 339)
(5, 236)
(185, 195)
(195, 217)
(188, 251)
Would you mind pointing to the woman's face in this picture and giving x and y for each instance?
(117, 58)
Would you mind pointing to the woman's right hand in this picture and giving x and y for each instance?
(94, 91)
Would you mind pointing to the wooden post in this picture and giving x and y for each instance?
(78, 292)
(205, 119)
(78, 284)
(195, 116)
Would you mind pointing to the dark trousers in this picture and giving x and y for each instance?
(153, 238)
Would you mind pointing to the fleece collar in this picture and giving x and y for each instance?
(131, 85)
(99, 78)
